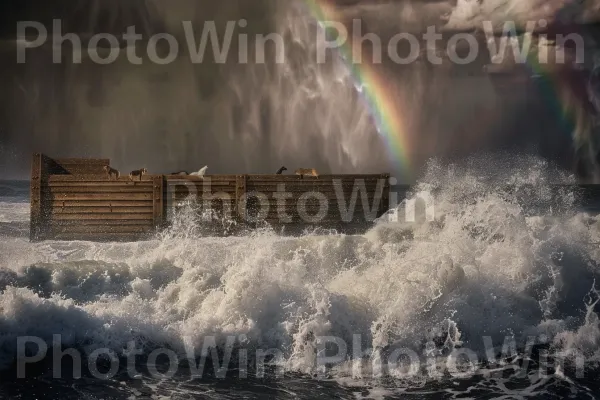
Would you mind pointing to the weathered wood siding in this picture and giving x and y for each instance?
(93, 208)
(79, 202)
(74, 199)
(347, 203)
(38, 215)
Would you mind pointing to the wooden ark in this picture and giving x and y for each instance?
(74, 199)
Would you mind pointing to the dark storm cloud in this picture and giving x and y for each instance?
(467, 14)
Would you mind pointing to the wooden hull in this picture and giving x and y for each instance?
(75, 199)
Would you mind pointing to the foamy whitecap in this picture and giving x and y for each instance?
(488, 266)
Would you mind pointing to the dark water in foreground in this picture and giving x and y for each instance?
(491, 267)
(505, 384)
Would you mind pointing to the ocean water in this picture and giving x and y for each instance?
(497, 297)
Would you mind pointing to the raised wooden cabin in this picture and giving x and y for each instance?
(74, 199)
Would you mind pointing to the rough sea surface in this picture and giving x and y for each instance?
(495, 298)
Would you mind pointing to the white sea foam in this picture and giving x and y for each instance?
(14, 212)
(490, 265)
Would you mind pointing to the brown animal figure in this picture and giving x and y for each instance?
(111, 172)
(138, 173)
(307, 172)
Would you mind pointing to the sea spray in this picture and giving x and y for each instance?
(489, 267)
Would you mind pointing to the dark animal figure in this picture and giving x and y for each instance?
(111, 172)
(138, 174)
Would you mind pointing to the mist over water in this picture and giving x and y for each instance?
(256, 117)
(233, 117)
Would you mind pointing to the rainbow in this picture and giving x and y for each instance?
(550, 90)
(375, 91)
(388, 117)
(568, 100)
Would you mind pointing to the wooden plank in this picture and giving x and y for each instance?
(183, 190)
(222, 179)
(103, 237)
(139, 222)
(158, 206)
(317, 182)
(105, 217)
(294, 207)
(295, 196)
(291, 183)
(96, 184)
(240, 192)
(102, 210)
(171, 202)
(296, 211)
(229, 209)
(101, 189)
(213, 178)
(218, 205)
(287, 203)
(101, 203)
(292, 194)
(100, 196)
(54, 230)
(287, 178)
(200, 195)
(96, 178)
(36, 221)
(320, 182)
(201, 188)
(370, 189)
(201, 183)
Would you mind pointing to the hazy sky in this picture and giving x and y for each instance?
(249, 117)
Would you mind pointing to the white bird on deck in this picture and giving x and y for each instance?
(200, 173)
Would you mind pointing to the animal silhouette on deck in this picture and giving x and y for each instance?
(281, 170)
(181, 173)
(137, 174)
(302, 172)
(200, 173)
(111, 172)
